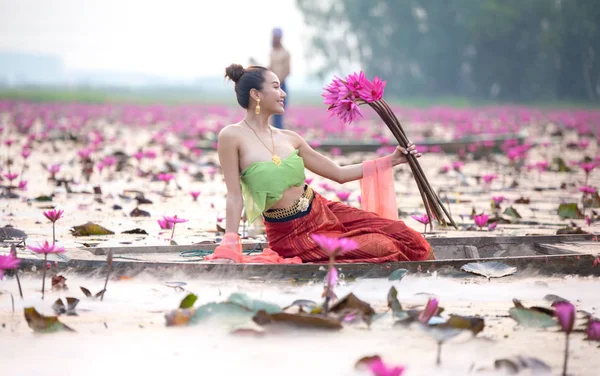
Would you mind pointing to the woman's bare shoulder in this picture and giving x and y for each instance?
(230, 131)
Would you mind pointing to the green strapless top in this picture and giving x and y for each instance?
(263, 183)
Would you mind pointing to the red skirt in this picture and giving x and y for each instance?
(380, 239)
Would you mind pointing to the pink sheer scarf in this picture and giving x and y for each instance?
(378, 194)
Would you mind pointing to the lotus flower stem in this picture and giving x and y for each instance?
(438, 360)
(172, 232)
(53, 232)
(431, 201)
(415, 166)
(13, 252)
(109, 258)
(564, 372)
(44, 275)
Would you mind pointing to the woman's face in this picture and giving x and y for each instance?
(271, 96)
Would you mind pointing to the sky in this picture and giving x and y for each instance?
(174, 38)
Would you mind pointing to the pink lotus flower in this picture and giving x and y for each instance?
(343, 195)
(379, 368)
(488, 178)
(588, 220)
(11, 176)
(164, 224)
(25, 153)
(422, 218)
(308, 180)
(347, 110)
(8, 142)
(542, 166)
(84, 153)
(587, 167)
(587, 189)
(150, 154)
(335, 151)
(565, 312)
(195, 195)
(47, 248)
(174, 219)
(109, 161)
(165, 177)
(431, 309)
(334, 246)
(53, 215)
(481, 220)
(457, 165)
(8, 262)
(139, 155)
(23, 185)
(593, 330)
(498, 200)
(372, 91)
(53, 169)
(492, 226)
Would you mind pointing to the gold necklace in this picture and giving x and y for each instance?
(274, 157)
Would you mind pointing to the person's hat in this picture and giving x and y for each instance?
(277, 32)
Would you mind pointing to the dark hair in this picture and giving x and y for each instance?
(245, 80)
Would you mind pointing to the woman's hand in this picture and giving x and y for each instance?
(400, 154)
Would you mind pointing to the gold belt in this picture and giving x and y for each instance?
(300, 205)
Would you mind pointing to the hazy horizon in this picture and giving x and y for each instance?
(178, 39)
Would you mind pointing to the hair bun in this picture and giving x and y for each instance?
(234, 72)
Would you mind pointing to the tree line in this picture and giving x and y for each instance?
(510, 50)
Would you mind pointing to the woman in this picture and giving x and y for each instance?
(263, 169)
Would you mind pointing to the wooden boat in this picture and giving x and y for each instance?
(539, 255)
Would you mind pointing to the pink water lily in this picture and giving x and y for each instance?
(488, 178)
(8, 262)
(343, 195)
(492, 226)
(379, 368)
(164, 224)
(25, 153)
(46, 249)
(372, 91)
(498, 200)
(334, 246)
(593, 330)
(481, 220)
(165, 177)
(53, 215)
(173, 221)
(195, 195)
(565, 312)
(11, 176)
(587, 166)
(431, 309)
(22, 185)
(53, 169)
(422, 218)
(587, 189)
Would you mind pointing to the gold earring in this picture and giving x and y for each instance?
(257, 109)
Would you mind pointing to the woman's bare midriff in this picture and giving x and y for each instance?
(289, 196)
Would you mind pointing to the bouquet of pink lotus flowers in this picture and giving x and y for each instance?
(344, 96)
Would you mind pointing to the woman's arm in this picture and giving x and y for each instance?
(325, 167)
(229, 160)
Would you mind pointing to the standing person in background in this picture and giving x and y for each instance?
(280, 65)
